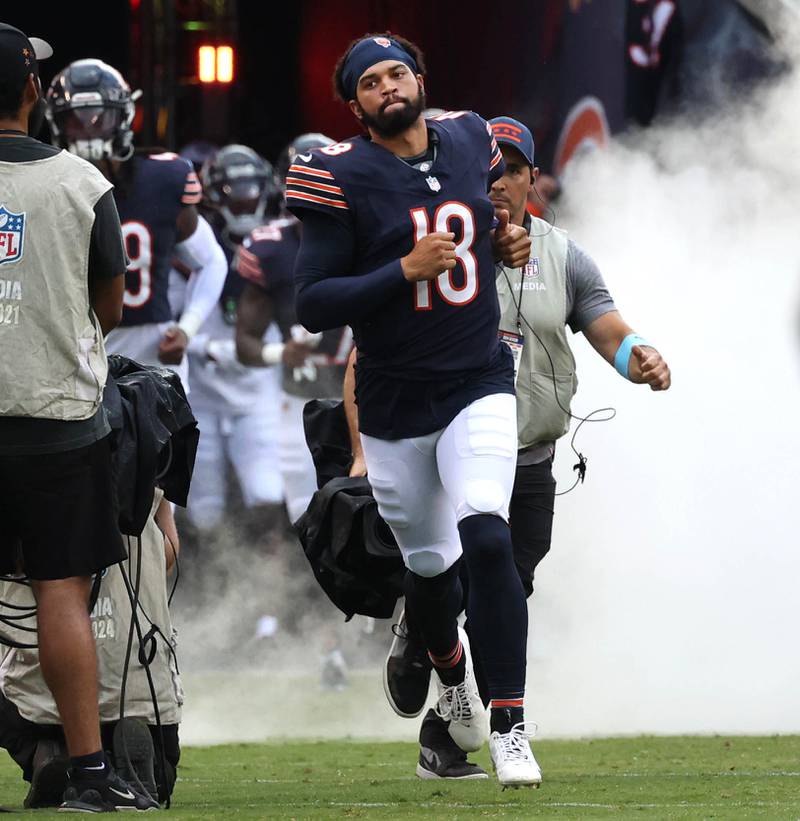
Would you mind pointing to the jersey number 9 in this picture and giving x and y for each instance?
(139, 248)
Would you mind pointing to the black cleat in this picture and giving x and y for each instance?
(49, 779)
(134, 755)
(108, 793)
(440, 756)
(407, 673)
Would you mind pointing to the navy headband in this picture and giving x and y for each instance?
(366, 53)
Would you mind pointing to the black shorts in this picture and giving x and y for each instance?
(58, 513)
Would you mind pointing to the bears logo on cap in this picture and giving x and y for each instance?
(382, 41)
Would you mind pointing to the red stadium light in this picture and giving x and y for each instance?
(207, 64)
(224, 64)
(215, 64)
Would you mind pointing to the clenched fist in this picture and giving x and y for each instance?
(433, 254)
(172, 346)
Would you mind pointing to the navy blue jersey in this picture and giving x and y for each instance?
(430, 329)
(440, 337)
(266, 259)
(149, 204)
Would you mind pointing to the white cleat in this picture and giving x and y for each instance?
(512, 757)
(461, 705)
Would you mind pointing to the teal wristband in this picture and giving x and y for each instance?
(623, 355)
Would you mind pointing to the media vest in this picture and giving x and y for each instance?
(54, 363)
(21, 679)
(539, 293)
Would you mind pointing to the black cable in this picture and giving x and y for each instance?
(17, 645)
(177, 573)
(133, 595)
(26, 611)
(580, 467)
(23, 580)
(129, 646)
(31, 607)
(10, 622)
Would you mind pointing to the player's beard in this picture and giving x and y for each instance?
(396, 122)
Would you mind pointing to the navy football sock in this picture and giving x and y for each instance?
(452, 669)
(502, 719)
(498, 615)
(93, 765)
(436, 602)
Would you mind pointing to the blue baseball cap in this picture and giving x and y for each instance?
(19, 55)
(512, 132)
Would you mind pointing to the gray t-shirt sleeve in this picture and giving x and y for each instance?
(587, 294)
(107, 257)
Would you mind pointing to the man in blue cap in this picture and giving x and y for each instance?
(560, 285)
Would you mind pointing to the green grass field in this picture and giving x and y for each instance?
(653, 778)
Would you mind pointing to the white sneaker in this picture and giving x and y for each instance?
(462, 706)
(512, 757)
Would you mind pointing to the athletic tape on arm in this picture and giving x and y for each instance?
(622, 357)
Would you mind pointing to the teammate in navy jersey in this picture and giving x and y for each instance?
(237, 408)
(90, 108)
(312, 364)
(399, 241)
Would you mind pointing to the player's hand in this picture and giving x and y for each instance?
(359, 466)
(295, 354)
(172, 346)
(512, 244)
(433, 254)
(647, 366)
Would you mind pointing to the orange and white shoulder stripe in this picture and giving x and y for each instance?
(192, 190)
(313, 185)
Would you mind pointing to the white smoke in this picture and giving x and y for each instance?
(669, 601)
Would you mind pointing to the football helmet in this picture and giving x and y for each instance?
(299, 145)
(197, 152)
(90, 109)
(240, 186)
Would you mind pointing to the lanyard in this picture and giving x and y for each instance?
(519, 301)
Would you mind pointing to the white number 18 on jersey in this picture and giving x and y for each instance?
(465, 259)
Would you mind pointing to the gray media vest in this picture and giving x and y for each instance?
(54, 363)
(541, 285)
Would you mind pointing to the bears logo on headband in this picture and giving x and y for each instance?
(368, 52)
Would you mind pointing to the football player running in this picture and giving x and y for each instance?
(560, 286)
(236, 407)
(90, 109)
(312, 364)
(399, 241)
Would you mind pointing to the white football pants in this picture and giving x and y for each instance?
(296, 465)
(425, 486)
(250, 443)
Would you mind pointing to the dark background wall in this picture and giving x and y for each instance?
(533, 59)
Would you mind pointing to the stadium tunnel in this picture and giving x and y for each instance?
(575, 70)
